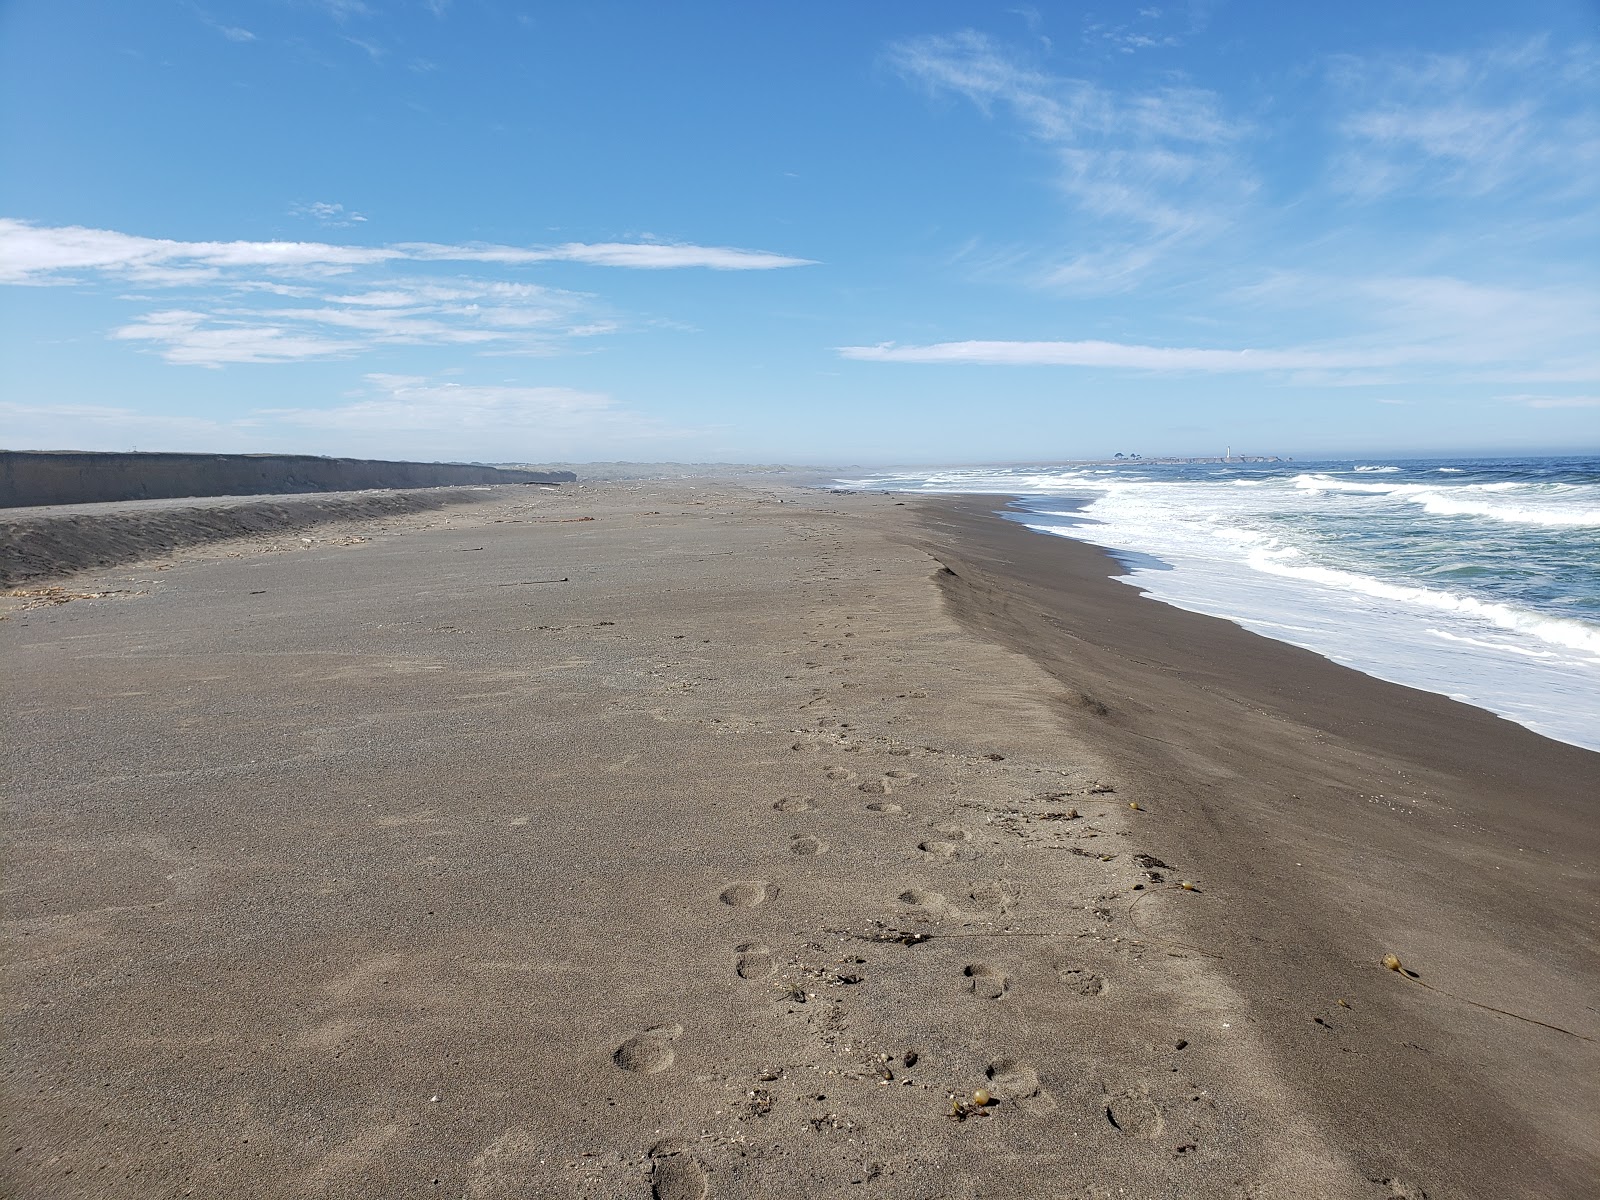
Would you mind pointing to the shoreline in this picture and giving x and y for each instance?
(1483, 597)
(651, 839)
(1127, 562)
(1338, 818)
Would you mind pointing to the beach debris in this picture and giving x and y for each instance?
(885, 933)
(961, 1109)
(1101, 789)
(1392, 961)
(45, 597)
(1189, 885)
(1394, 964)
(1343, 1003)
(791, 992)
(1134, 804)
(758, 1102)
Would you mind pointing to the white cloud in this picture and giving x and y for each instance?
(1554, 401)
(341, 10)
(489, 315)
(327, 214)
(233, 33)
(648, 256)
(274, 302)
(1493, 331)
(1149, 170)
(1517, 117)
(1106, 354)
(195, 339)
(32, 253)
(1438, 329)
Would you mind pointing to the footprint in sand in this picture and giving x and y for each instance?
(795, 804)
(648, 1052)
(754, 961)
(950, 839)
(1085, 983)
(747, 893)
(806, 847)
(902, 776)
(839, 774)
(875, 787)
(1018, 1083)
(1090, 985)
(987, 982)
(1136, 1115)
(930, 902)
(675, 1174)
(993, 896)
(884, 806)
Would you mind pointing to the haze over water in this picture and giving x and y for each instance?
(1478, 579)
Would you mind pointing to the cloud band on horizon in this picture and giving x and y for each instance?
(1114, 354)
(31, 253)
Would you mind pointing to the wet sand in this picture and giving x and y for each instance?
(663, 839)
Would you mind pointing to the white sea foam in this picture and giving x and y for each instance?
(1380, 470)
(1555, 505)
(1573, 635)
(1273, 553)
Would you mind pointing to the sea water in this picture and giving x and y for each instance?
(1477, 578)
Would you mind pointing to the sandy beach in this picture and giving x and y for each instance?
(740, 840)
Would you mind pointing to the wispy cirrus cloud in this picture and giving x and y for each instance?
(1512, 117)
(283, 301)
(324, 213)
(1148, 27)
(1414, 327)
(488, 316)
(1150, 170)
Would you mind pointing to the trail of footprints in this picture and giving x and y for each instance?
(676, 1174)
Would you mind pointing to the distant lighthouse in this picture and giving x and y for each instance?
(1227, 454)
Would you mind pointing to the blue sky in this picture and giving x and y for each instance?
(833, 233)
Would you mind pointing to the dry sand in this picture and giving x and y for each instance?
(671, 840)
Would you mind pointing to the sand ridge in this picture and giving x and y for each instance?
(732, 865)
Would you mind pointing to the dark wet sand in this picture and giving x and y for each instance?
(717, 868)
(1334, 818)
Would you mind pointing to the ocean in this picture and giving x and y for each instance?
(1478, 579)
